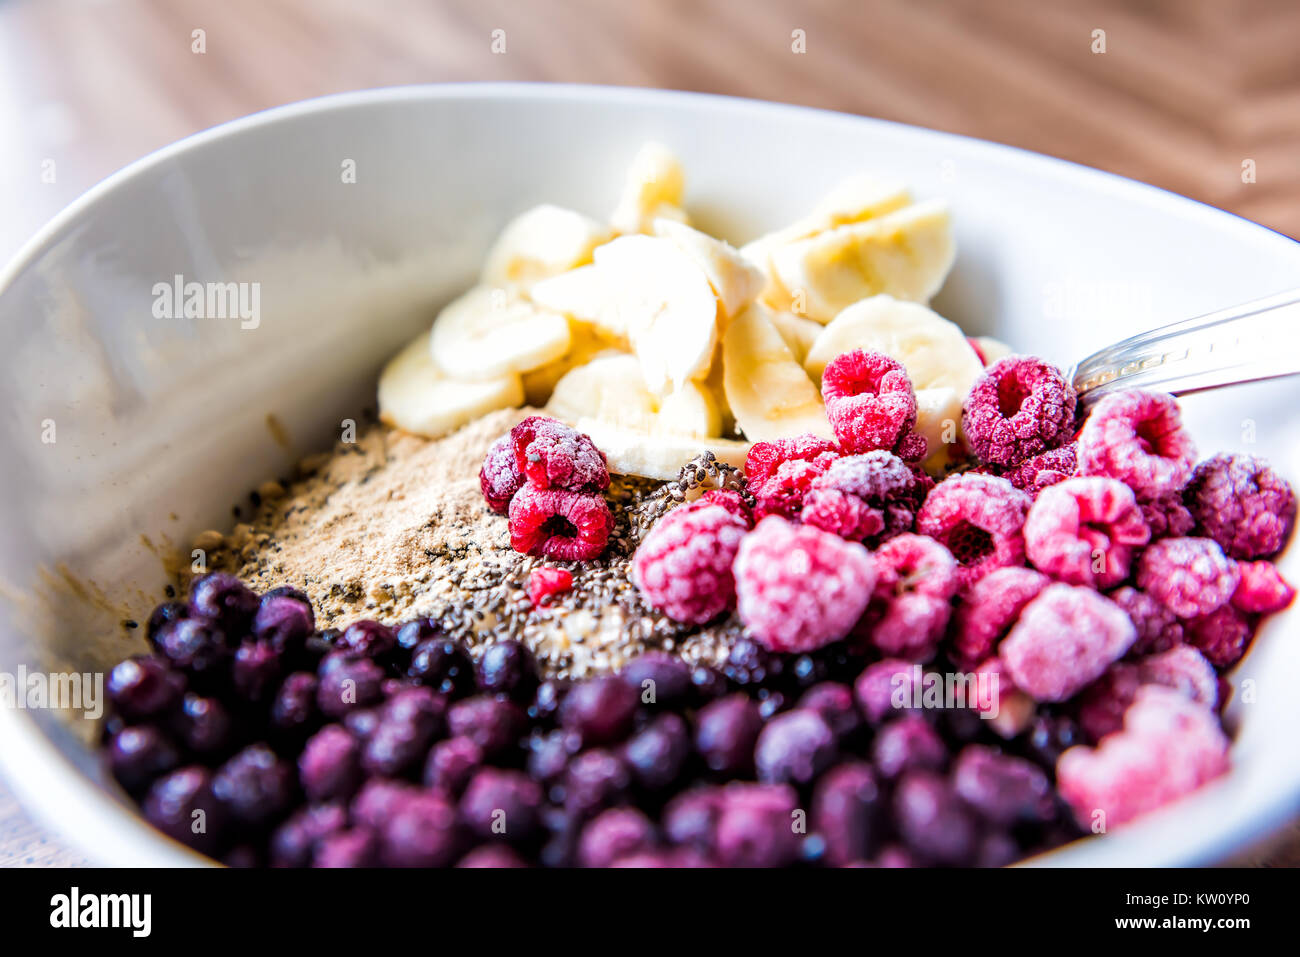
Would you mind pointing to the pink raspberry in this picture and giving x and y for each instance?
(544, 583)
(869, 400)
(554, 523)
(977, 349)
(1102, 704)
(1191, 576)
(1184, 669)
(1083, 531)
(1064, 640)
(916, 578)
(1242, 504)
(500, 478)
(1138, 438)
(683, 567)
(1158, 628)
(781, 472)
(799, 588)
(732, 501)
(1167, 516)
(866, 498)
(989, 609)
(1047, 468)
(1169, 747)
(979, 518)
(1222, 636)
(549, 454)
(1261, 590)
(1019, 407)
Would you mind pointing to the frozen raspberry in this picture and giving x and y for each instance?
(1242, 504)
(885, 687)
(989, 609)
(554, 523)
(1019, 407)
(916, 578)
(545, 583)
(549, 454)
(1047, 468)
(1083, 531)
(1222, 636)
(732, 501)
(1100, 707)
(781, 472)
(1261, 590)
(1158, 628)
(866, 498)
(979, 518)
(500, 478)
(1190, 575)
(1064, 640)
(799, 588)
(1169, 746)
(683, 567)
(1167, 516)
(1184, 669)
(1138, 438)
(869, 400)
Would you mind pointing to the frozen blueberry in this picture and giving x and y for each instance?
(502, 805)
(347, 682)
(255, 786)
(492, 855)
(494, 724)
(368, 639)
(204, 725)
(293, 712)
(194, 646)
(362, 722)
(932, 819)
(1050, 736)
(508, 668)
(661, 680)
(421, 832)
(725, 733)
(613, 834)
(285, 621)
(408, 723)
(162, 615)
(657, 753)
(1005, 790)
(144, 687)
(596, 779)
(908, 743)
(691, 818)
(356, 847)
(451, 764)
(411, 633)
(443, 665)
(329, 767)
(294, 841)
(834, 702)
(600, 709)
(224, 600)
(183, 807)
(846, 811)
(794, 747)
(549, 753)
(749, 663)
(255, 673)
(708, 683)
(757, 826)
(546, 702)
(139, 754)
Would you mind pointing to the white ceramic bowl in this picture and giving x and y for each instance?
(161, 424)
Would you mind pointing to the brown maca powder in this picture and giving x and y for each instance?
(394, 527)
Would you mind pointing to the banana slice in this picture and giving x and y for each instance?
(582, 294)
(667, 305)
(938, 419)
(542, 242)
(992, 349)
(490, 332)
(799, 333)
(611, 389)
(586, 345)
(657, 456)
(769, 392)
(653, 190)
(734, 278)
(906, 253)
(415, 396)
(934, 350)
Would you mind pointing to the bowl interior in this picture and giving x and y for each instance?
(355, 216)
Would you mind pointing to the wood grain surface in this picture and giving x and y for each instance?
(1198, 96)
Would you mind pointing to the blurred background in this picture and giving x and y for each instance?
(1201, 97)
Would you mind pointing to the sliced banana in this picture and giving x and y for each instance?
(657, 456)
(992, 349)
(584, 295)
(906, 253)
(610, 388)
(491, 331)
(586, 345)
(735, 279)
(653, 189)
(768, 391)
(799, 333)
(667, 305)
(934, 350)
(542, 242)
(938, 419)
(414, 395)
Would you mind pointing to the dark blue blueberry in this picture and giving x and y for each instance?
(357, 847)
(369, 639)
(255, 786)
(163, 614)
(932, 820)
(834, 702)
(294, 841)
(144, 687)
(549, 753)
(600, 710)
(750, 664)
(708, 683)
(443, 665)
(908, 743)
(205, 726)
(139, 754)
(294, 713)
(411, 633)
(596, 779)
(1002, 789)
(420, 831)
(508, 668)
(224, 600)
(725, 734)
(546, 702)
(846, 812)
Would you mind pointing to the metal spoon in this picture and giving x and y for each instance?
(1246, 343)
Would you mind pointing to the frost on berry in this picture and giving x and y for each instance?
(1158, 628)
(545, 583)
(683, 566)
(980, 519)
(1242, 504)
(1019, 407)
(916, 578)
(1169, 746)
(549, 454)
(866, 498)
(780, 473)
(799, 588)
(731, 500)
(869, 400)
(1261, 590)
(1101, 706)
(1167, 516)
(554, 523)
(1222, 636)
(989, 609)
(1037, 473)
(1065, 639)
(1191, 576)
(1138, 438)
(500, 478)
(1083, 531)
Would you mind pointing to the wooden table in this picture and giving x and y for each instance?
(1198, 96)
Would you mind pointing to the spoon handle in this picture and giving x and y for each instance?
(1257, 340)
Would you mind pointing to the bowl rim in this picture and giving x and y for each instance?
(51, 787)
